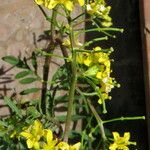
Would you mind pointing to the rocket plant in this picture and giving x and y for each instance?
(81, 84)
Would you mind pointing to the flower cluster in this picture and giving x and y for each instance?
(96, 65)
(39, 138)
(50, 4)
(98, 9)
(121, 142)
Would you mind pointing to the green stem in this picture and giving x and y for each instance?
(73, 83)
(99, 121)
(92, 51)
(96, 88)
(46, 66)
(101, 29)
(95, 40)
(51, 54)
(124, 118)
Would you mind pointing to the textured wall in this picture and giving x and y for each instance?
(21, 23)
(20, 20)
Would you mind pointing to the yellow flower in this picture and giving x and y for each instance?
(50, 4)
(101, 11)
(92, 8)
(87, 61)
(33, 135)
(121, 143)
(81, 2)
(39, 2)
(50, 145)
(14, 133)
(66, 42)
(75, 146)
(62, 146)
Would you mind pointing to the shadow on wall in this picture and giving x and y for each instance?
(129, 100)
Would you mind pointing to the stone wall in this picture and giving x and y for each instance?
(21, 24)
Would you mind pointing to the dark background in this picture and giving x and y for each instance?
(129, 100)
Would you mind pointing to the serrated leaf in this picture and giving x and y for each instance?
(13, 106)
(28, 91)
(28, 80)
(22, 74)
(11, 60)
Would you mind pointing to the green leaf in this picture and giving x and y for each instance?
(77, 117)
(74, 134)
(92, 71)
(28, 91)
(11, 60)
(28, 80)
(32, 111)
(13, 106)
(22, 74)
(61, 99)
(62, 118)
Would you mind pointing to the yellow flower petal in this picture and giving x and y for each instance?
(62, 146)
(116, 136)
(49, 136)
(39, 2)
(113, 146)
(81, 2)
(75, 146)
(26, 135)
(99, 75)
(69, 5)
(36, 145)
(51, 4)
(29, 143)
(87, 61)
(126, 136)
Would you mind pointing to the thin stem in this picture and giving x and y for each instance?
(96, 88)
(95, 40)
(42, 10)
(82, 21)
(73, 83)
(59, 40)
(77, 17)
(46, 66)
(91, 51)
(124, 118)
(51, 54)
(101, 29)
(99, 121)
